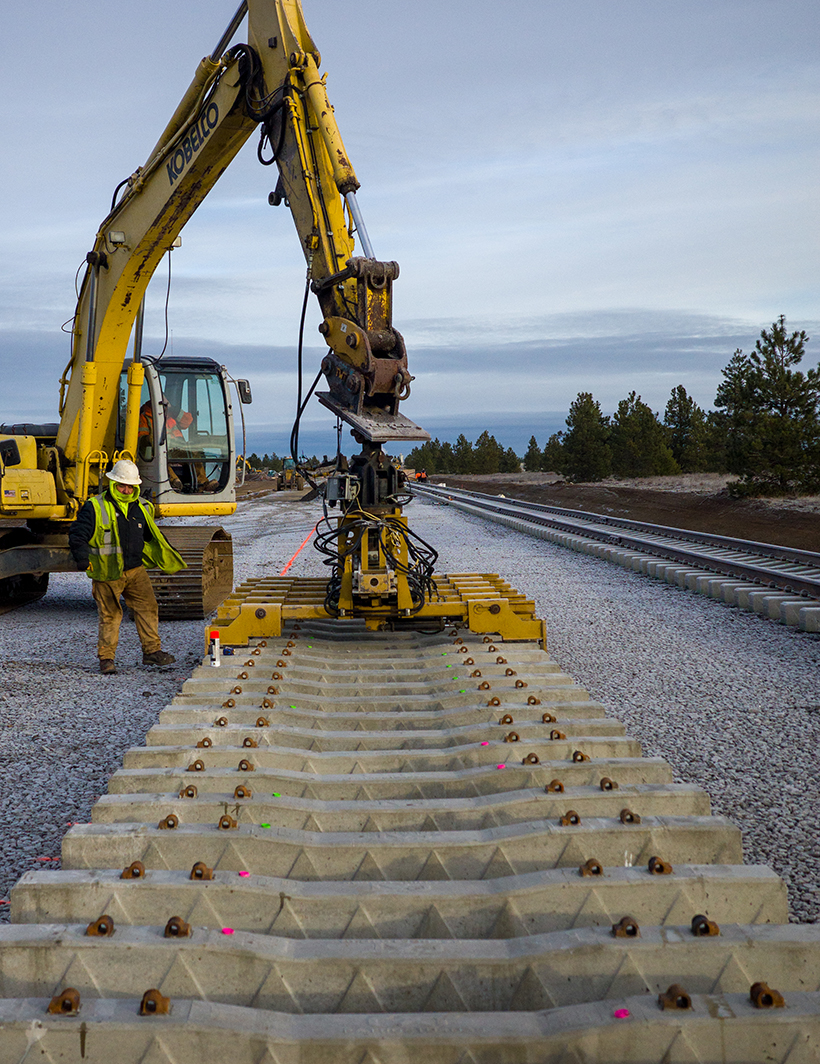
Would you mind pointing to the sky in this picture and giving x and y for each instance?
(603, 196)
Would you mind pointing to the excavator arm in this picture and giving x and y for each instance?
(271, 84)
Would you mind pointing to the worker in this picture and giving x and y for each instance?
(175, 422)
(113, 538)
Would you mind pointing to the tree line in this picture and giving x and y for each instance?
(485, 456)
(765, 428)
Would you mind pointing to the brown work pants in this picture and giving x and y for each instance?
(135, 588)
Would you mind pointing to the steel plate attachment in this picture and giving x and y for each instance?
(262, 722)
(469, 661)
(702, 926)
(229, 703)
(227, 823)
(66, 1003)
(236, 690)
(154, 1004)
(494, 702)
(475, 674)
(554, 787)
(177, 928)
(169, 823)
(626, 927)
(507, 719)
(101, 927)
(273, 690)
(570, 819)
(136, 870)
(548, 718)
(266, 704)
(608, 785)
(249, 742)
(511, 737)
(555, 735)
(675, 998)
(578, 756)
(659, 867)
(533, 701)
(521, 683)
(221, 722)
(500, 661)
(531, 759)
(509, 672)
(246, 766)
(196, 766)
(591, 868)
(188, 792)
(763, 997)
(242, 792)
(205, 743)
(484, 686)
(201, 871)
(628, 817)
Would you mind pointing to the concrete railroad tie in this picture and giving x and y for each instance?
(408, 847)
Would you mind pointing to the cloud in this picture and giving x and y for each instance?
(487, 371)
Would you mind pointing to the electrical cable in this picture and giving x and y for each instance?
(167, 298)
(302, 404)
(124, 181)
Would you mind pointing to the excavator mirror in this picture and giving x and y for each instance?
(244, 390)
(9, 453)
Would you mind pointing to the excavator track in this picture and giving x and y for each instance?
(383, 848)
(198, 590)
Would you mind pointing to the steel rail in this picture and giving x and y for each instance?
(759, 563)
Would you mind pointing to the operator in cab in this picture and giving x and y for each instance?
(114, 538)
(176, 422)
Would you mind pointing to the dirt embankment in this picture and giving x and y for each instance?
(697, 501)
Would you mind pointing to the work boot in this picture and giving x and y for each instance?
(107, 666)
(157, 657)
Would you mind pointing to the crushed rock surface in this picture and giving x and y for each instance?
(731, 700)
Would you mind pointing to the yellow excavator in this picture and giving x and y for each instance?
(171, 416)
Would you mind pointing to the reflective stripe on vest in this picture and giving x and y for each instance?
(105, 553)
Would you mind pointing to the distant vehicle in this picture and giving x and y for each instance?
(289, 479)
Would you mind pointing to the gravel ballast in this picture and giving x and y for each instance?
(729, 699)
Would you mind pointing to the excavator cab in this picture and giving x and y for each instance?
(185, 438)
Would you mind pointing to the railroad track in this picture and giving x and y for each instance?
(774, 581)
(383, 848)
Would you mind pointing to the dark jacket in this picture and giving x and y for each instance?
(132, 530)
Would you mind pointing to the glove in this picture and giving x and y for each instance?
(185, 419)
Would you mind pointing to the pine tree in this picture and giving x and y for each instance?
(774, 410)
(463, 455)
(487, 454)
(510, 462)
(587, 455)
(446, 458)
(553, 458)
(638, 441)
(732, 421)
(533, 458)
(685, 423)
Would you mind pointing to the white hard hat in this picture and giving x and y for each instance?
(124, 472)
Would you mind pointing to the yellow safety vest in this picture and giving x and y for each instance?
(105, 552)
